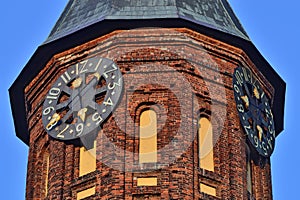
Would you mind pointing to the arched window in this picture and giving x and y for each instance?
(148, 137)
(205, 142)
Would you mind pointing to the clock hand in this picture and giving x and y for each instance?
(246, 100)
(256, 93)
(76, 84)
(260, 132)
(82, 113)
(260, 107)
(247, 90)
(263, 122)
(95, 79)
(67, 115)
(62, 105)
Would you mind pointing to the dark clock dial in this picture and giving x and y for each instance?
(254, 111)
(82, 98)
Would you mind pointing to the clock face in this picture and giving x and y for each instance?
(254, 111)
(82, 98)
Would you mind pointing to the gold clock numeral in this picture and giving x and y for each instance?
(269, 113)
(236, 88)
(254, 111)
(60, 134)
(54, 120)
(245, 74)
(271, 131)
(114, 68)
(109, 102)
(97, 118)
(114, 84)
(53, 93)
(240, 108)
(98, 64)
(270, 144)
(256, 141)
(247, 129)
(82, 69)
(66, 77)
(239, 78)
(70, 109)
(48, 110)
(79, 129)
(263, 145)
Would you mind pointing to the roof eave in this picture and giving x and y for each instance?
(46, 51)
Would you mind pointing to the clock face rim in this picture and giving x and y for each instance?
(254, 111)
(88, 114)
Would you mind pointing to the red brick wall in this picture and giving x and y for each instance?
(193, 76)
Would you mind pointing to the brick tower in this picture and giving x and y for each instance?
(147, 99)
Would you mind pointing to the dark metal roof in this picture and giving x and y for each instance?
(79, 14)
(85, 20)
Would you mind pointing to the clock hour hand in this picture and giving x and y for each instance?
(75, 99)
(256, 93)
(67, 90)
(63, 105)
(101, 90)
(247, 90)
(82, 113)
(263, 121)
(246, 100)
(67, 116)
(92, 83)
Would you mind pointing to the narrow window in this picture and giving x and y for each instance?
(148, 137)
(249, 172)
(87, 161)
(46, 174)
(206, 154)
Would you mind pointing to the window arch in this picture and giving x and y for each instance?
(148, 137)
(205, 144)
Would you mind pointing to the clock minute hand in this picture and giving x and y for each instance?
(91, 83)
(76, 84)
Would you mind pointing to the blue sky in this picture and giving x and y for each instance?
(273, 26)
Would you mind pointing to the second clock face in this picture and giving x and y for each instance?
(254, 110)
(82, 98)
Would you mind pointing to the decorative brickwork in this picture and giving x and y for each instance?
(173, 59)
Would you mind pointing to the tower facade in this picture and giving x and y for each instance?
(148, 100)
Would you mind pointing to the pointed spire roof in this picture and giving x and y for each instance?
(79, 14)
